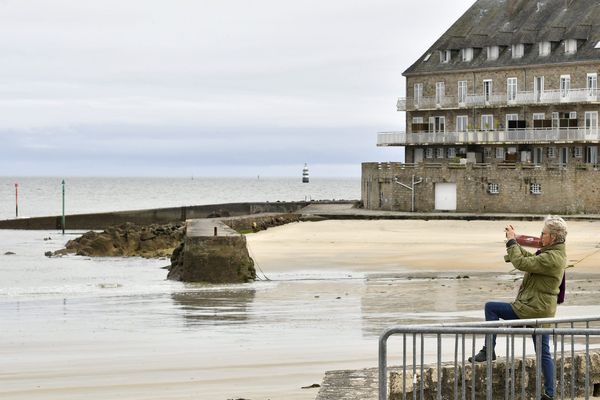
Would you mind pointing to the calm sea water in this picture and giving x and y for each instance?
(43, 196)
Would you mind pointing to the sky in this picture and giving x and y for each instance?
(206, 87)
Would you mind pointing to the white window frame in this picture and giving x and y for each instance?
(578, 152)
(535, 188)
(565, 86)
(592, 85)
(551, 152)
(591, 121)
(440, 92)
(544, 49)
(462, 92)
(467, 54)
(518, 50)
(573, 115)
(488, 89)
(417, 120)
(451, 153)
(487, 122)
(429, 153)
(538, 116)
(462, 123)
(511, 89)
(570, 46)
(435, 123)
(538, 88)
(418, 93)
(555, 119)
(445, 56)
(500, 153)
(493, 52)
(493, 188)
(439, 152)
(487, 152)
(511, 117)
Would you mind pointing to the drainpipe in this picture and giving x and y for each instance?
(411, 188)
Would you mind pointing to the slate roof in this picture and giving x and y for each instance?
(488, 23)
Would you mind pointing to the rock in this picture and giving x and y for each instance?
(48, 254)
(314, 385)
(127, 240)
(9, 253)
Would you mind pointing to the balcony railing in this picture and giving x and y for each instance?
(498, 100)
(490, 137)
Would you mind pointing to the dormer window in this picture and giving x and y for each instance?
(544, 48)
(492, 52)
(518, 50)
(445, 56)
(570, 46)
(467, 54)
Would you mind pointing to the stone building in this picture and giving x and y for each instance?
(501, 115)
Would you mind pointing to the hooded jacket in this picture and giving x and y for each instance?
(543, 275)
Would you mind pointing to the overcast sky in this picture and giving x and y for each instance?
(206, 88)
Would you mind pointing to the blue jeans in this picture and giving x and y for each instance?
(495, 311)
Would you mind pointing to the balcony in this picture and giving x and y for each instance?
(500, 100)
(525, 136)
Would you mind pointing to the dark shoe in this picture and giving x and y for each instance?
(482, 356)
(546, 396)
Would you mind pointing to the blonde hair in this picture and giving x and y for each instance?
(557, 227)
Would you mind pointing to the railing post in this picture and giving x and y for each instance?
(383, 366)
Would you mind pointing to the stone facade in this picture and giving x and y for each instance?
(564, 190)
(502, 86)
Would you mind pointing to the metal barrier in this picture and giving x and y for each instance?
(510, 329)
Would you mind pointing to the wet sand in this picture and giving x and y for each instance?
(335, 285)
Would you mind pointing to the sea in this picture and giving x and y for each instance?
(42, 196)
(114, 328)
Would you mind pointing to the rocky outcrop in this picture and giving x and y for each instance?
(212, 259)
(127, 240)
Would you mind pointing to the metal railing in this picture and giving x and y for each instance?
(494, 100)
(510, 330)
(530, 135)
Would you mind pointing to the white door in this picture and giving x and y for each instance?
(538, 88)
(418, 155)
(563, 156)
(591, 122)
(591, 156)
(445, 196)
(538, 155)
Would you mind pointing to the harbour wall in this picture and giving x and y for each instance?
(152, 216)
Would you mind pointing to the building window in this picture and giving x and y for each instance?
(500, 153)
(492, 52)
(570, 46)
(418, 93)
(462, 92)
(439, 152)
(578, 152)
(451, 152)
(440, 91)
(592, 84)
(511, 88)
(551, 152)
(573, 115)
(467, 54)
(417, 120)
(544, 48)
(427, 57)
(487, 152)
(487, 90)
(462, 123)
(445, 56)
(493, 188)
(429, 153)
(487, 122)
(535, 188)
(518, 50)
(565, 85)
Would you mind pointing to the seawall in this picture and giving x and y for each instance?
(152, 216)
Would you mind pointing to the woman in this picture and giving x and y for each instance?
(537, 295)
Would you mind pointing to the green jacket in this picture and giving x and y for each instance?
(543, 275)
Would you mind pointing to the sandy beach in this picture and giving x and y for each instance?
(334, 286)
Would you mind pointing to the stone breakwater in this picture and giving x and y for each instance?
(127, 240)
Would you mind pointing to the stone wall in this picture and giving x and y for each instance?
(450, 378)
(212, 259)
(569, 190)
